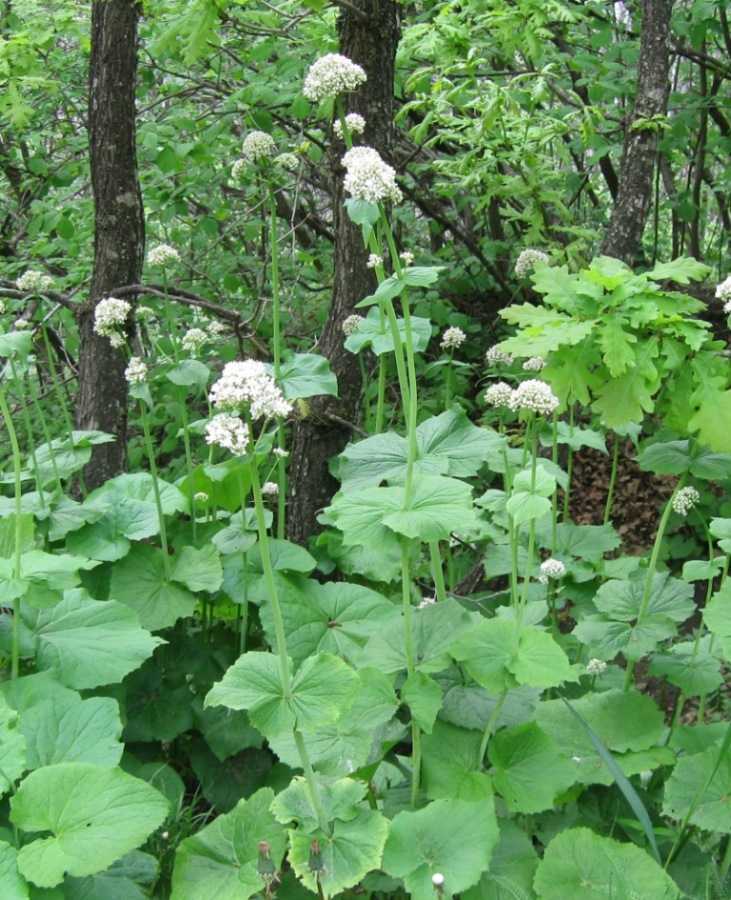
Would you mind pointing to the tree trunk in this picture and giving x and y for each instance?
(119, 226)
(623, 239)
(371, 42)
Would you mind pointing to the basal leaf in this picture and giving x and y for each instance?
(701, 782)
(306, 375)
(95, 814)
(438, 507)
(12, 747)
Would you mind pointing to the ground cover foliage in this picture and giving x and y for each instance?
(438, 694)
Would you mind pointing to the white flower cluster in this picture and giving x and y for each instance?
(407, 257)
(247, 383)
(144, 313)
(723, 293)
(258, 145)
(270, 489)
(23, 325)
(551, 569)
(534, 396)
(228, 432)
(288, 161)
(162, 255)
(238, 168)
(280, 452)
(350, 325)
(596, 667)
(499, 394)
(354, 122)
(685, 500)
(34, 282)
(110, 315)
(452, 338)
(374, 261)
(136, 371)
(331, 75)
(497, 357)
(534, 364)
(193, 340)
(369, 178)
(427, 601)
(200, 497)
(215, 328)
(2, 307)
(528, 260)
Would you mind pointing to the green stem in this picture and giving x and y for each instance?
(437, 571)
(410, 668)
(281, 641)
(16, 570)
(156, 490)
(491, 724)
(569, 466)
(612, 480)
(29, 431)
(448, 382)
(644, 603)
(56, 383)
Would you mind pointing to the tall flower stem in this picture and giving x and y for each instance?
(569, 466)
(651, 569)
(410, 669)
(63, 406)
(156, 489)
(490, 727)
(18, 548)
(277, 357)
(612, 480)
(284, 667)
(437, 571)
(532, 439)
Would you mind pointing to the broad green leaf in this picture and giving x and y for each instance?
(547, 335)
(676, 457)
(423, 696)
(529, 770)
(571, 372)
(501, 655)
(12, 747)
(95, 814)
(622, 600)
(359, 515)
(585, 866)
(336, 618)
(140, 583)
(375, 332)
(419, 845)
(221, 859)
(360, 212)
(682, 270)
(346, 856)
(605, 637)
(67, 515)
(558, 285)
(66, 455)
(616, 344)
(451, 764)
(589, 542)
(411, 276)
(694, 669)
(24, 532)
(50, 571)
(87, 643)
(627, 398)
(340, 799)
(306, 375)
(712, 420)
(128, 878)
(574, 437)
(512, 867)
(438, 507)
(701, 781)
(189, 373)
(73, 730)
(434, 629)
(628, 724)
(12, 884)
(321, 690)
(198, 570)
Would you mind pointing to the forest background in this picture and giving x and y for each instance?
(590, 131)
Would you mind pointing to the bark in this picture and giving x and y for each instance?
(119, 226)
(623, 239)
(371, 41)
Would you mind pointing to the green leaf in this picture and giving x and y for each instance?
(322, 689)
(360, 212)
(126, 879)
(375, 332)
(512, 867)
(66, 455)
(423, 696)
(189, 373)
(585, 866)
(306, 375)
(682, 270)
(712, 421)
(359, 515)
(198, 570)
(547, 335)
(500, 655)
(452, 768)
(12, 884)
(529, 769)
(669, 597)
(694, 669)
(676, 457)
(411, 276)
(70, 729)
(346, 856)
(625, 723)
(12, 747)
(341, 799)
(701, 782)
(616, 344)
(627, 398)
(95, 814)
(87, 643)
(438, 506)
(139, 582)
(11, 529)
(221, 860)
(419, 845)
